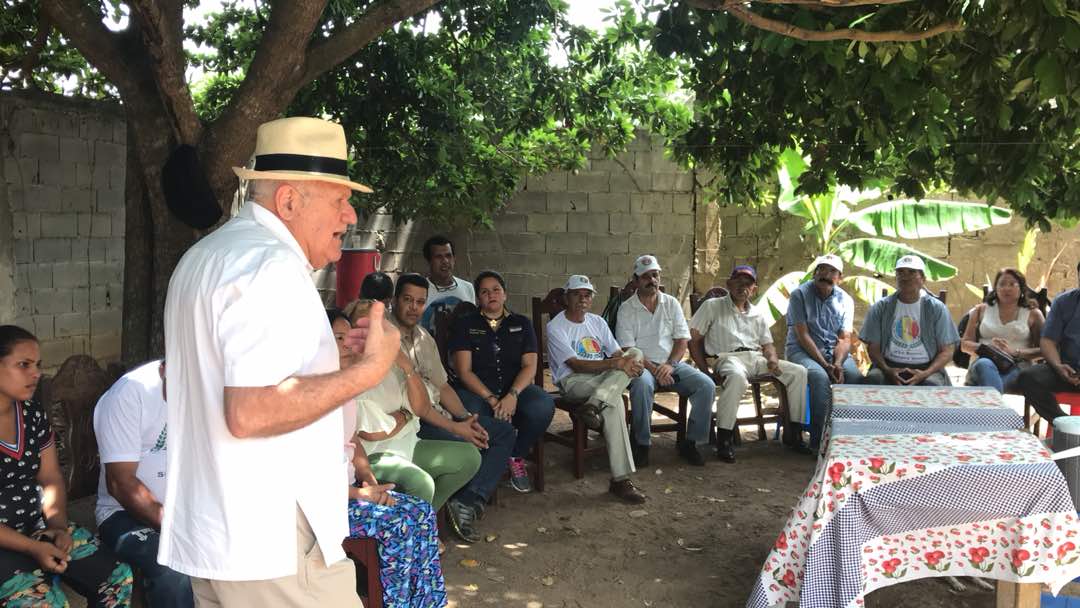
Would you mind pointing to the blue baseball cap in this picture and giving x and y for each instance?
(746, 270)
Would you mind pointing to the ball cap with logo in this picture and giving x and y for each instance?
(301, 149)
(745, 270)
(579, 281)
(912, 262)
(829, 259)
(645, 263)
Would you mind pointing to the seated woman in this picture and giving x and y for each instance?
(404, 526)
(38, 546)
(1007, 321)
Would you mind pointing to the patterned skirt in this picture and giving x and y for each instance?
(408, 538)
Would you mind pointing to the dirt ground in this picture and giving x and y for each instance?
(699, 541)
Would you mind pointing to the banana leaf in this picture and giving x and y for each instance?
(909, 219)
(1027, 250)
(878, 255)
(791, 167)
(774, 302)
(867, 289)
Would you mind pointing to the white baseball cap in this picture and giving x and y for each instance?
(579, 281)
(913, 262)
(829, 259)
(645, 263)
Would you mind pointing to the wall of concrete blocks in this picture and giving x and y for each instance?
(62, 223)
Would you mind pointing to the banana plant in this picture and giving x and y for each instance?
(848, 223)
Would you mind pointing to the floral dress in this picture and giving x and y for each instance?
(92, 570)
(407, 535)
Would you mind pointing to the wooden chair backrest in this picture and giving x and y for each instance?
(550, 305)
(696, 299)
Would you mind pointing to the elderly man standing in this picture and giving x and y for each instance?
(654, 322)
(256, 500)
(909, 334)
(1060, 345)
(820, 319)
(589, 367)
(736, 333)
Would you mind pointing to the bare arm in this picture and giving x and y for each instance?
(298, 401)
(697, 350)
(968, 344)
(941, 359)
(132, 494)
(802, 336)
(678, 350)
(874, 350)
(1035, 325)
(53, 492)
(843, 347)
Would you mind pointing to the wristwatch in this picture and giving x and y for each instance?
(513, 391)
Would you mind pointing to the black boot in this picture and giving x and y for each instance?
(689, 452)
(793, 438)
(725, 448)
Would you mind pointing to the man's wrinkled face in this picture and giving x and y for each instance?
(579, 301)
(909, 280)
(409, 306)
(442, 261)
(741, 288)
(317, 215)
(649, 282)
(491, 295)
(826, 276)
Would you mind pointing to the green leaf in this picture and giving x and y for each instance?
(1050, 75)
(1055, 7)
(879, 255)
(774, 302)
(909, 219)
(909, 52)
(1027, 250)
(867, 289)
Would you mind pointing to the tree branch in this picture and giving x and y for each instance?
(791, 31)
(327, 54)
(161, 26)
(84, 28)
(30, 59)
(719, 5)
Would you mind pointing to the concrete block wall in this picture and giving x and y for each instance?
(63, 194)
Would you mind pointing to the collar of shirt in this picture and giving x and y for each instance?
(273, 223)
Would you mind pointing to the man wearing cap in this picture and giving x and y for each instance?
(654, 322)
(909, 335)
(256, 497)
(820, 319)
(733, 330)
(589, 367)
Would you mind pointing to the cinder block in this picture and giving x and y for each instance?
(593, 223)
(18, 225)
(80, 249)
(99, 178)
(117, 175)
(38, 276)
(120, 132)
(672, 224)
(24, 250)
(33, 225)
(622, 181)
(71, 274)
(569, 242)
(39, 198)
(631, 222)
(614, 202)
(647, 242)
(682, 204)
(591, 265)
(73, 150)
(23, 303)
(40, 146)
(77, 199)
(43, 327)
(72, 324)
(58, 225)
(623, 264)
(55, 352)
(119, 227)
(562, 202)
(52, 250)
(84, 175)
(603, 244)
(528, 201)
(51, 301)
(110, 199)
(589, 181)
(80, 300)
(105, 347)
(673, 182)
(96, 250)
(56, 173)
(106, 321)
(22, 276)
(108, 153)
(105, 298)
(106, 272)
(115, 252)
(546, 222)
(523, 242)
(550, 182)
(483, 243)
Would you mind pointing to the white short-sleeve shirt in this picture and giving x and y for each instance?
(590, 340)
(242, 311)
(653, 333)
(905, 340)
(130, 422)
(726, 328)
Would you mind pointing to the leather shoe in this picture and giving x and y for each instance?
(589, 414)
(725, 447)
(689, 452)
(640, 454)
(793, 439)
(626, 491)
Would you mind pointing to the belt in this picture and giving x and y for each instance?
(743, 349)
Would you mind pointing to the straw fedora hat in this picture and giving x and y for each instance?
(302, 149)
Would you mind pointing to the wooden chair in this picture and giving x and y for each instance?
(365, 552)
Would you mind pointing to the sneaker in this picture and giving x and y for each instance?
(689, 452)
(589, 413)
(462, 517)
(519, 476)
(627, 491)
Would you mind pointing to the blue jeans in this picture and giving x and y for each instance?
(692, 383)
(535, 409)
(820, 395)
(493, 460)
(137, 544)
(983, 372)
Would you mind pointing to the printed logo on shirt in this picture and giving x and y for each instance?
(588, 348)
(159, 445)
(906, 331)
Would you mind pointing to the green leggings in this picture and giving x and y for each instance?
(438, 469)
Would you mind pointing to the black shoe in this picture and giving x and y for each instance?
(641, 455)
(793, 439)
(725, 447)
(461, 518)
(589, 414)
(689, 452)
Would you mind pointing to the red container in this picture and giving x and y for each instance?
(354, 265)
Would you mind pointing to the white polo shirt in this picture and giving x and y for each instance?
(653, 333)
(727, 328)
(242, 311)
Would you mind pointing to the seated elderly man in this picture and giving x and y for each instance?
(1060, 345)
(130, 421)
(820, 319)
(589, 367)
(909, 334)
(736, 333)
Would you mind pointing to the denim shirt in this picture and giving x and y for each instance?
(933, 316)
(824, 318)
(1063, 326)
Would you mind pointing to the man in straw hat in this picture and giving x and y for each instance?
(255, 507)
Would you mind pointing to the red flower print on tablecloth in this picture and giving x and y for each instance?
(837, 475)
(1063, 554)
(781, 542)
(1018, 557)
(786, 579)
(935, 560)
(979, 557)
(880, 466)
(891, 568)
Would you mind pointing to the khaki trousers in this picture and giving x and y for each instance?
(606, 390)
(313, 585)
(735, 368)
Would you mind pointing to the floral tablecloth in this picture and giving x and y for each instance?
(883, 509)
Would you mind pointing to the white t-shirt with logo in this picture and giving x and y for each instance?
(130, 421)
(462, 290)
(590, 340)
(905, 338)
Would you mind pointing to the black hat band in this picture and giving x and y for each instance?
(301, 162)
